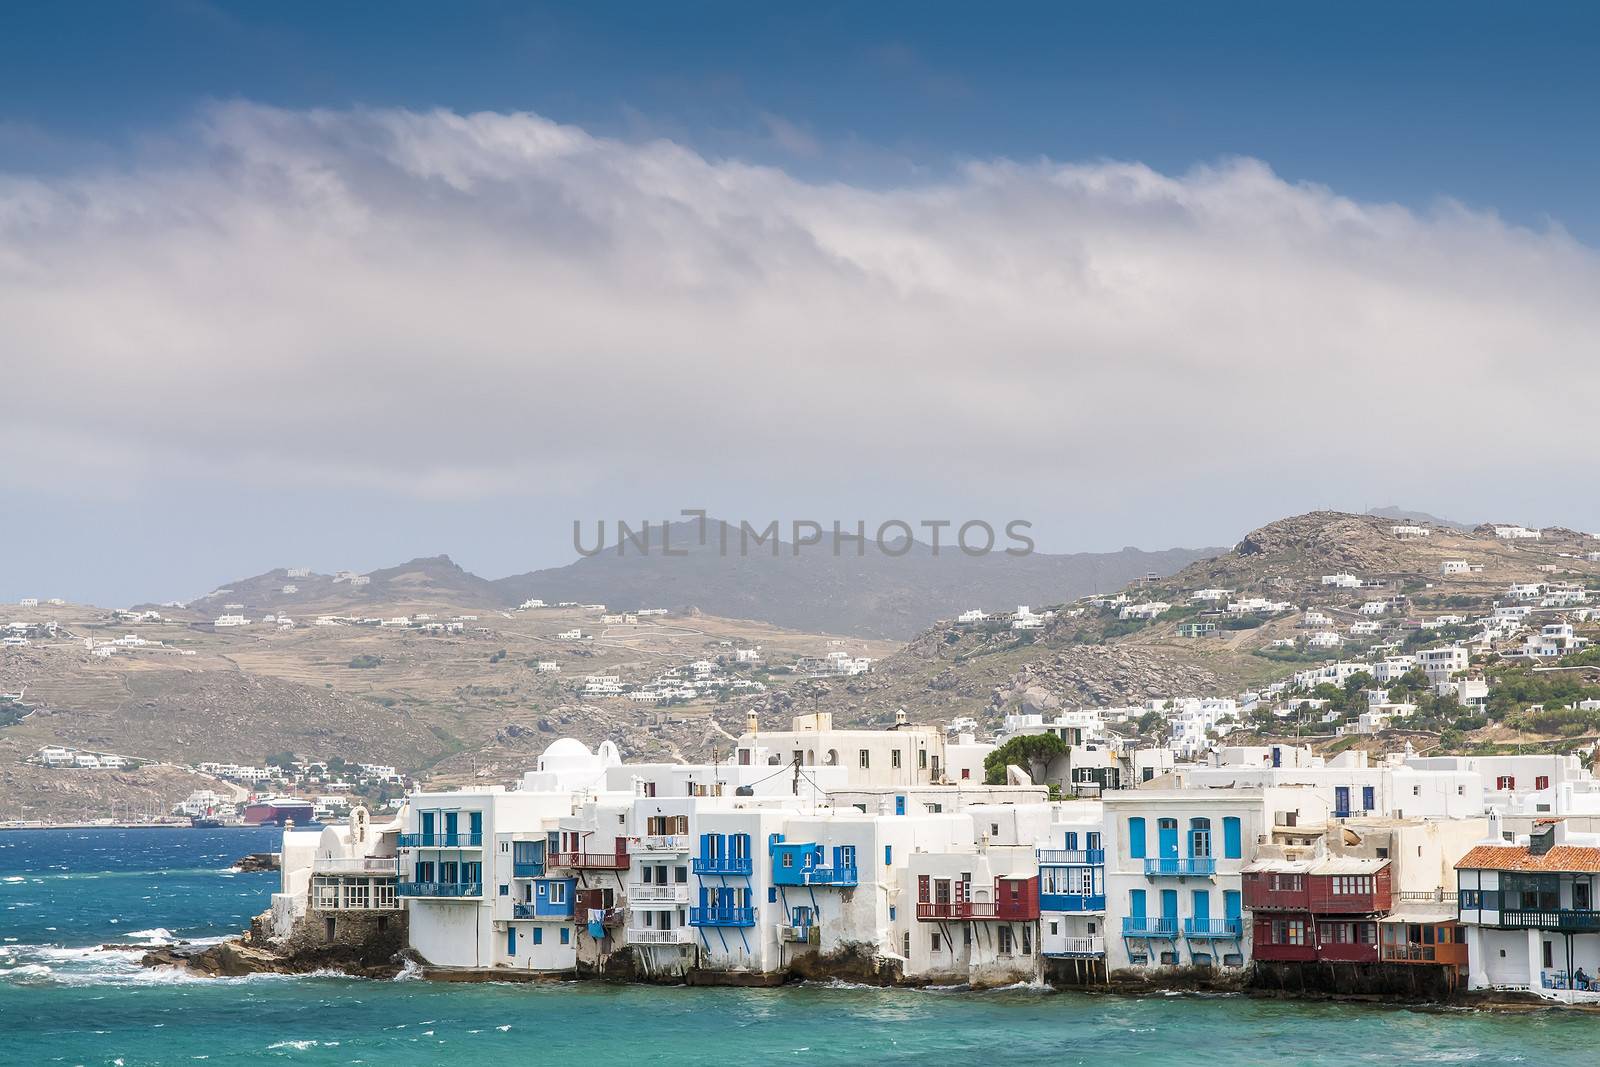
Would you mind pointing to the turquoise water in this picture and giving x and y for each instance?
(63, 1000)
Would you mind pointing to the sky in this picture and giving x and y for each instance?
(340, 285)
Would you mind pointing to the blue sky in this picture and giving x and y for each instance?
(1085, 153)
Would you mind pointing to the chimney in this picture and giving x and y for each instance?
(900, 717)
(750, 721)
(1541, 839)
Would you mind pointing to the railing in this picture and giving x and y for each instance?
(1429, 896)
(968, 909)
(1564, 980)
(717, 916)
(722, 865)
(1134, 926)
(603, 861)
(1079, 948)
(806, 933)
(678, 935)
(525, 869)
(441, 840)
(1071, 857)
(1072, 902)
(523, 910)
(356, 865)
(1447, 952)
(639, 893)
(840, 876)
(1203, 928)
(1179, 867)
(1551, 919)
(660, 843)
(439, 889)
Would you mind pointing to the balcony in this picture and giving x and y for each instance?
(1261, 895)
(1272, 952)
(533, 869)
(439, 889)
(1142, 926)
(1071, 902)
(640, 894)
(678, 935)
(441, 840)
(1445, 898)
(1202, 929)
(719, 916)
(1178, 867)
(358, 865)
(1347, 952)
(969, 910)
(1072, 857)
(845, 877)
(730, 865)
(1078, 948)
(1565, 919)
(660, 843)
(805, 934)
(596, 861)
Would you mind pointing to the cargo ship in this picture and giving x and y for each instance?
(276, 811)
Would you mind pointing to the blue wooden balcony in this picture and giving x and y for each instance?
(1179, 867)
(439, 889)
(441, 840)
(1072, 902)
(1141, 926)
(722, 916)
(1203, 929)
(737, 865)
(1072, 857)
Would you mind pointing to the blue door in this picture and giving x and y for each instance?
(1169, 907)
(1169, 839)
(1230, 908)
(511, 941)
(475, 826)
(1202, 907)
(899, 805)
(1136, 904)
(449, 827)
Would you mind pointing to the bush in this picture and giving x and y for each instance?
(365, 662)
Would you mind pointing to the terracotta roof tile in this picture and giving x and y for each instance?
(1517, 858)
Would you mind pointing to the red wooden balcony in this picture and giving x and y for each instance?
(1016, 900)
(1264, 891)
(600, 861)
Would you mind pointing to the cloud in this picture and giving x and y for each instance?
(463, 306)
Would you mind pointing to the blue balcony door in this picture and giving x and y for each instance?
(450, 824)
(427, 825)
(1230, 904)
(1169, 905)
(1202, 908)
(1169, 839)
(1199, 838)
(1136, 904)
(475, 825)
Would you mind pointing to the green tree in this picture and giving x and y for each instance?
(1031, 752)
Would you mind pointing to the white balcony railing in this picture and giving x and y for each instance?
(1076, 946)
(678, 935)
(661, 843)
(374, 865)
(639, 893)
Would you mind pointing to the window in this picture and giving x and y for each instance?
(1054, 928)
(866, 759)
(538, 935)
(1505, 782)
(1200, 837)
(1004, 941)
(966, 772)
(922, 759)
(558, 892)
(1231, 846)
(888, 855)
(935, 946)
(1093, 839)
(1542, 782)
(1368, 798)
(505, 890)
(1027, 939)
(772, 894)
(566, 936)
(894, 758)
(1072, 841)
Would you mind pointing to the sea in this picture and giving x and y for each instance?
(64, 998)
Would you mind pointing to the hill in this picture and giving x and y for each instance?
(860, 591)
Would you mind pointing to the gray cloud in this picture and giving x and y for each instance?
(457, 307)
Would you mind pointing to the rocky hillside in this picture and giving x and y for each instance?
(1091, 657)
(866, 594)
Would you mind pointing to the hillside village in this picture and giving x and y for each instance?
(1328, 629)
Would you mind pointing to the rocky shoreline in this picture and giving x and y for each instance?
(242, 956)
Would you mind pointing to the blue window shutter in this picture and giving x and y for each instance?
(538, 935)
(1232, 848)
(888, 855)
(1367, 798)
(1136, 838)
